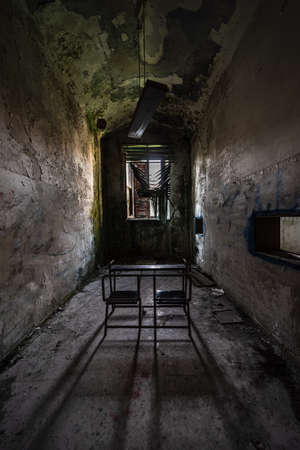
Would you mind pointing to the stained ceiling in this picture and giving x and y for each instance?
(94, 46)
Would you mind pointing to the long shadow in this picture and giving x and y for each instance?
(119, 439)
(241, 426)
(155, 432)
(35, 441)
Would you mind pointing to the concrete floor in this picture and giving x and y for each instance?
(228, 388)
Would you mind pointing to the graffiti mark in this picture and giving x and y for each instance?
(229, 201)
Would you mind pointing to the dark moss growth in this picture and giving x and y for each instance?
(117, 94)
(91, 122)
(121, 93)
(91, 119)
(175, 120)
(97, 83)
(70, 46)
(96, 212)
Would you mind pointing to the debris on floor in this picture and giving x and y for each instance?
(220, 304)
(217, 292)
(227, 316)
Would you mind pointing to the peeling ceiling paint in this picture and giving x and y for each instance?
(93, 46)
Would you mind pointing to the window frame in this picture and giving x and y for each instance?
(198, 225)
(148, 152)
(273, 251)
(146, 219)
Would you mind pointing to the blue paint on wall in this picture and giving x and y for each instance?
(297, 205)
(257, 199)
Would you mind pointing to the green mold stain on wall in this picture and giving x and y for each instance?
(97, 207)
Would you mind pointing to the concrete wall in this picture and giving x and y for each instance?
(143, 237)
(46, 182)
(290, 234)
(246, 159)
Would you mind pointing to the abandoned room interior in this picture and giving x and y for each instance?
(150, 224)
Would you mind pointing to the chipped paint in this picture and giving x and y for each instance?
(119, 20)
(83, 40)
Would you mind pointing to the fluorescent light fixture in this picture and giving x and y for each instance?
(151, 97)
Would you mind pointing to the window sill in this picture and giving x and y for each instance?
(156, 221)
(291, 258)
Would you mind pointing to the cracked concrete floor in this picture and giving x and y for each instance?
(228, 388)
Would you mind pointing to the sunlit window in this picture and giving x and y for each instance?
(148, 183)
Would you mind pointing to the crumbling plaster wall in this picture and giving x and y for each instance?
(246, 158)
(145, 238)
(46, 182)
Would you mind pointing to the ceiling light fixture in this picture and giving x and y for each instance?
(152, 93)
(149, 101)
